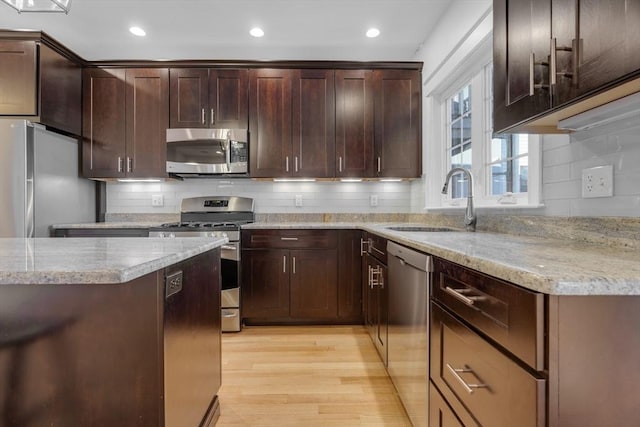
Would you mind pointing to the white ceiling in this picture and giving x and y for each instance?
(219, 29)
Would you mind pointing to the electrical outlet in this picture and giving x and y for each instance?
(373, 200)
(597, 182)
(157, 200)
(298, 200)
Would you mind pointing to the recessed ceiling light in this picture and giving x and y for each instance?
(373, 32)
(137, 31)
(256, 32)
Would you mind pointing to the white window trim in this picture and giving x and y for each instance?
(471, 69)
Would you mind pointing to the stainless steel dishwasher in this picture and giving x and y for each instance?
(408, 285)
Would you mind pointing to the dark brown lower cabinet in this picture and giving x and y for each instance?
(300, 277)
(440, 414)
(376, 293)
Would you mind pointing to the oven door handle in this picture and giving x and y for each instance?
(228, 248)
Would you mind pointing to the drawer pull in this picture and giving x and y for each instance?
(289, 239)
(459, 295)
(468, 387)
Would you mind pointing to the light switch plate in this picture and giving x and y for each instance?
(298, 200)
(373, 200)
(157, 200)
(597, 182)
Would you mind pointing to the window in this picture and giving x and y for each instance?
(500, 165)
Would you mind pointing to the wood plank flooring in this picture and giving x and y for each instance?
(305, 376)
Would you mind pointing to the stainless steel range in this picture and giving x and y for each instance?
(213, 217)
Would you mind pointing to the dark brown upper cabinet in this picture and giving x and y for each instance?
(597, 43)
(126, 114)
(549, 69)
(521, 44)
(398, 124)
(208, 98)
(39, 83)
(354, 123)
(292, 123)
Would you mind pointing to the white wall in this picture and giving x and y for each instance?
(270, 197)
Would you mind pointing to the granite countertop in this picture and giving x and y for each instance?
(108, 225)
(545, 265)
(93, 260)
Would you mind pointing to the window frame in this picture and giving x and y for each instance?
(474, 70)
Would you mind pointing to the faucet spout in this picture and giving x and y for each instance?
(470, 218)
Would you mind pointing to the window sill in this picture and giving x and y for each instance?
(463, 206)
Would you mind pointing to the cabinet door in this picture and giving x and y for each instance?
(608, 32)
(189, 97)
(228, 99)
(350, 275)
(382, 302)
(147, 107)
(270, 123)
(370, 311)
(314, 284)
(440, 414)
(60, 92)
(521, 49)
(397, 124)
(18, 78)
(354, 123)
(103, 135)
(313, 123)
(265, 283)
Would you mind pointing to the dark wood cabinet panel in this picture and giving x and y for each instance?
(60, 92)
(440, 414)
(147, 109)
(314, 284)
(228, 98)
(313, 123)
(104, 133)
(354, 123)
(18, 78)
(209, 98)
(189, 97)
(270, 123)
(350, 275)
(377, 314)
(265, 283)
(521, 54)
(398, 122)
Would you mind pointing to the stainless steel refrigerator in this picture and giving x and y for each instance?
(40, 184)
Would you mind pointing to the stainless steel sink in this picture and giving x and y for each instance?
(411, 228)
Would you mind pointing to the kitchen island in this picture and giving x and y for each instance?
(109, 331)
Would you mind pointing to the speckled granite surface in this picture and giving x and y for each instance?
(92, 260)
(551, 266)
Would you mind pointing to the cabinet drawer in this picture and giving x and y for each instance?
(442, 415)
(494, 389)
(290, 239)
(510, 315)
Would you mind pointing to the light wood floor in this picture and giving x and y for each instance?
(305, 376)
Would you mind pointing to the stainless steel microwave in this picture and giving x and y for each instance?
(204, 152)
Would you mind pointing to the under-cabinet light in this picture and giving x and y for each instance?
(139, 180)
(350, 179)
(607, 113)
(391, 180)
(294, 180)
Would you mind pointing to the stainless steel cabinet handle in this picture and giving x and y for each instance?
(363, 251)
(532, 72)
(204, 118)
(129, 164)
(376, 277)
(296, 163)
(293, 267)
(228, 247)
(459, 295)
(573, 74)
(284, 263)
(370, 277)
(468, 387)
(228, 314)
(340, 164)
(379, 165)
(289, 239)
(213, 116)
(286, 164)
(120, 164)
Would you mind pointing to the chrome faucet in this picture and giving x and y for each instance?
(469, 215)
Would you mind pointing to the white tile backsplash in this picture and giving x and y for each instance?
(270, 197)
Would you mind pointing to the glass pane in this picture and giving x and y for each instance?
(466, 127)
(498, 149)
(511, 176)
(455, 107)
(458, 186)
(465, 99)
(456, 133)
(521, 144)
(466, 156)
(520, 182)
(499, 178)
